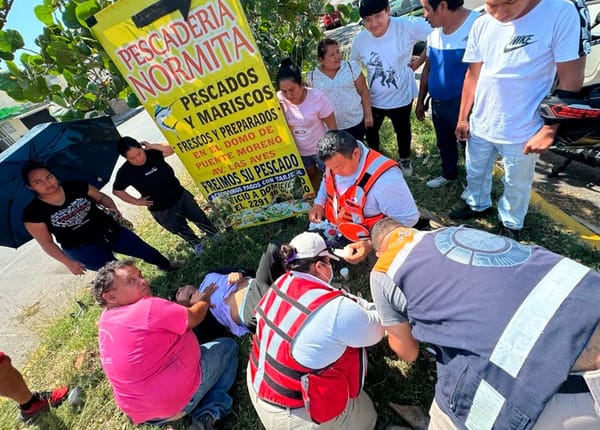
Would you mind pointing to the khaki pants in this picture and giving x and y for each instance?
(569, 412)
(359, 414)
(563, 412)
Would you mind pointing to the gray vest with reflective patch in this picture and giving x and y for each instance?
(508, 328)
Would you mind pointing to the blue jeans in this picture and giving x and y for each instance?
(518, 177)
(444, 114)
(219, 361)
(175, 218)
(124, 241)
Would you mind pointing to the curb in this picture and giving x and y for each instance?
(584, 234)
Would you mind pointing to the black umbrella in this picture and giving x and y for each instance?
(85, 150)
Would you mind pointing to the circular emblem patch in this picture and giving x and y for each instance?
(479, 248)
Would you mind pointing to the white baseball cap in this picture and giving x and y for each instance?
(311, 245)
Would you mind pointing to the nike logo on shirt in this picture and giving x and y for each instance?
(519, 41)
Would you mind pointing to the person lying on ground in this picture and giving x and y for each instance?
(151, 357)
(237, 293)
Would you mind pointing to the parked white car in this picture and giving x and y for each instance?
(592, 65)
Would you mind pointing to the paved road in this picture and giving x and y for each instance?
(576, 191)
(34, 287)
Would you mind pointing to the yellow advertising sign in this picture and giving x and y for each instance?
(203, 80)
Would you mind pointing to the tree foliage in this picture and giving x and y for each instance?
(5, 6)
(66, 48)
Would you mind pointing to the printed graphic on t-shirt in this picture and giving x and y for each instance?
(73, 215)
(384, 74)
(151, 171)
(519, 41)
(585, 31)
(299, 131)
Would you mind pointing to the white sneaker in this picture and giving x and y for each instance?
(406, 166)
(465, 194)
(440, 181)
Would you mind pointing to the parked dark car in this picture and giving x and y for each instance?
(404, 7)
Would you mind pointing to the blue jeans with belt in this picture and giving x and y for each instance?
(97, 254)
(444, 114)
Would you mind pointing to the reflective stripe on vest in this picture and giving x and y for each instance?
(515, 343)
(401, 242)
(502, 373)
(349, 207)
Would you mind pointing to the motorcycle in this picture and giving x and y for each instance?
(578, 136)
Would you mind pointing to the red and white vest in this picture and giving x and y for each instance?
(347, 210)
(277, 378)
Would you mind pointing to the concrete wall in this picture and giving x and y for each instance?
(13, 129)
(10, 131)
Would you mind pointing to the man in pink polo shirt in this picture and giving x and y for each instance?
(151, 357)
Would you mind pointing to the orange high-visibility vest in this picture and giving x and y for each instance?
(348, 208)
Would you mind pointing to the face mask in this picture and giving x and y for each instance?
(331, 273)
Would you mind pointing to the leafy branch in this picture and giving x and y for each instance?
(73, 70)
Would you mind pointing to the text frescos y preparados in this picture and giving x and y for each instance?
(203, 81)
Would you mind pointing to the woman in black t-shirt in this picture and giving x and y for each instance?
(171, 205)
(87, 236)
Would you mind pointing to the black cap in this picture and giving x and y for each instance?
(371, 7)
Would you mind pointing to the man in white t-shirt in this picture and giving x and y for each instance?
(385, 49)
(515, 51)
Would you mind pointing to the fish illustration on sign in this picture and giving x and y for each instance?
(164, 118)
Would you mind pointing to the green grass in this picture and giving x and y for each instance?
(68, 352)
